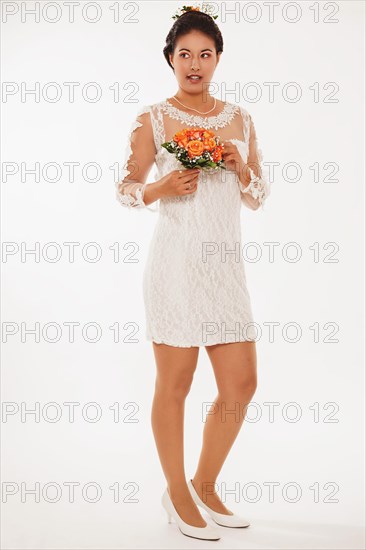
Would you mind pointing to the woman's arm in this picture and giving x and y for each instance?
(132, 190)
(253, 184)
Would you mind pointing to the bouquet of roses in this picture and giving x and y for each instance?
(197, 148)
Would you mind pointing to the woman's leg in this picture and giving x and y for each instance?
(235, 369)
(175, 368)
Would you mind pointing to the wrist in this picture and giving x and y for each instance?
(152, 192)
(242, 177)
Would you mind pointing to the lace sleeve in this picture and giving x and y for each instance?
(255, 193)
(139, 158)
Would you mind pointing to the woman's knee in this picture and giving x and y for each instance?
(176, 388)
(241, 387)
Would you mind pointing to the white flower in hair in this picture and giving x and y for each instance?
(184, 9)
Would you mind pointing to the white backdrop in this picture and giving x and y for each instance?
(66, 318)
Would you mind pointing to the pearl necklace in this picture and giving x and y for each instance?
(201, 113)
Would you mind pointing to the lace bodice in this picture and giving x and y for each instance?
(157, 123)
(216, 122)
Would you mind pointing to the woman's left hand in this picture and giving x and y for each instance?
(233, 159)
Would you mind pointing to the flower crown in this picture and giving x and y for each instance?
(184, 9)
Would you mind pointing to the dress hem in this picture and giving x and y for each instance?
(200, 344)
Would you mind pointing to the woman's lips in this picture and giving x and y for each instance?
(194, 80)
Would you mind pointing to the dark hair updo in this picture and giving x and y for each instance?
(189, 21)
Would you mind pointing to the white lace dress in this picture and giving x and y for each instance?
(194, 283)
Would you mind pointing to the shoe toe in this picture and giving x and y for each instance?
(231, 521)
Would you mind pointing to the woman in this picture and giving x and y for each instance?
(195, 290)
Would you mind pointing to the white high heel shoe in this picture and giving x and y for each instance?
(225, 520)
(205, 533)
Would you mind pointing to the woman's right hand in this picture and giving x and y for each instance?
(179, 182)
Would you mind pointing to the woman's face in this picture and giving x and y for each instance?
(194, 53)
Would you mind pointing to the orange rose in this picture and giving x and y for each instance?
(195, 148)
(181, 138)
(209, 144)
(183, 142)
(196, 134)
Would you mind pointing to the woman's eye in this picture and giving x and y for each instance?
(185, 53)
